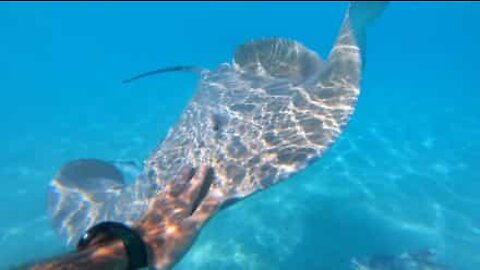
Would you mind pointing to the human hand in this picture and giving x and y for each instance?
(175, 216)
(168, 228)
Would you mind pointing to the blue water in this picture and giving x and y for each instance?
(403, 176)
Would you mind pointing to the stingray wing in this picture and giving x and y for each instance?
(85, 192)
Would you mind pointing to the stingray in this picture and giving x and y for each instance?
(269, 113)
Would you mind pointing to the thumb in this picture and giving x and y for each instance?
(205, 210)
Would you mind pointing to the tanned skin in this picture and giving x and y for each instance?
(168, 228)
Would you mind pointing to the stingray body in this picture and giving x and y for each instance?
(271, 112)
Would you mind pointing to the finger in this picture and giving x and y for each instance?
(207, 208)
(193, 189)
(186, 173)
(179, 183)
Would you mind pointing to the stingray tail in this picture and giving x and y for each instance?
(164, 70)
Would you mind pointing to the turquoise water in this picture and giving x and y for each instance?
(403, 176)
